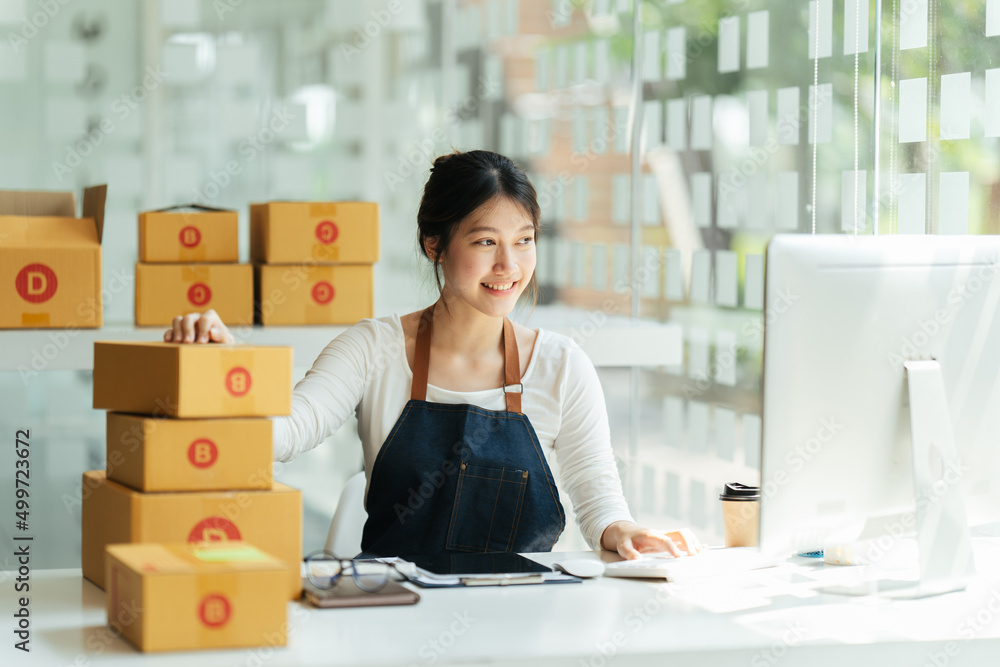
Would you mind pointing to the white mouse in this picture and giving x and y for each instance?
(585, 568)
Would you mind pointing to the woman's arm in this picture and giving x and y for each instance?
(590, 474)
(323, 400)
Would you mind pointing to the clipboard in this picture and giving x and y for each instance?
(451, 570)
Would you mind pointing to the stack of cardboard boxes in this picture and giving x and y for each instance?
(188, 263)
(189, 460)
(313, 261)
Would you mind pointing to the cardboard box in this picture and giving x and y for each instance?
(313, 293)
(169, 597)
(163, 291)
(310, 232)
(163, 454)
(116, 514)
(190, 380)
(189, 233)
(50, 259)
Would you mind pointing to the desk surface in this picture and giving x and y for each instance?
(763, 618)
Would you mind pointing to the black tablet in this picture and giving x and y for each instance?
(461, 564)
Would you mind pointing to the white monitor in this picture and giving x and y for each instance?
(845, 317)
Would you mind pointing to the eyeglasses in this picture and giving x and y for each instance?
(324, 571)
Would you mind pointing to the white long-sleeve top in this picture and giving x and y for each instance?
(365, 370)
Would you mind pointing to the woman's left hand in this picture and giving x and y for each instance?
(631, 540)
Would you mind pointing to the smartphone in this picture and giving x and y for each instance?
(345, 593)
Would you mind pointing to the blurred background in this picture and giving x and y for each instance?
(668, 141)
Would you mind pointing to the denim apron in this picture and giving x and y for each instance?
(458, 478)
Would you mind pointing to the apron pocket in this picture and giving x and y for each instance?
(487, 508)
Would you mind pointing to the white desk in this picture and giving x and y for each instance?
(761, 619)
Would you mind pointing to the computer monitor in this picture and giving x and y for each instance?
(847, 321)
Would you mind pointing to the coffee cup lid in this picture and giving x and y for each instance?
(737, 491)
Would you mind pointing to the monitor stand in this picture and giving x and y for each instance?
(944, 546)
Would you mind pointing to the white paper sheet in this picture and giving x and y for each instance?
(580, 138)
(673, 421)
(729, 44)
(577, 264)
(677, 124)
(753, 283)
(758, 201)
(786, 207)
(725, 278)
(821, 111)
(847, 203)
(620, 198)
(758, 39)
(650, 272)
(599, 266)
(701, 266)
(581, 189)
(725, 433)
(580, 61)
(855, 15)
(673, 288)
(698, 344)
(602, 60)
(725, 358)
(913, 25)
(953, 203)
(652, 121)
(650, 200)
(701, 123)
(601, 131)
(698, 442)
(621, 130)
(956, 93)
(911, 194)
(757, 111)
(676, 53)
(701, 199)
(788, 116)
(652, 68)
(912, 110)
(825, 29)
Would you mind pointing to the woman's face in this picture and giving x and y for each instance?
(491, 258)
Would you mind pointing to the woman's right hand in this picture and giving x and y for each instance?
(204, 327)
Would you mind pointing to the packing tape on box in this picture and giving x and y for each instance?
(35, 319)
(190, 274)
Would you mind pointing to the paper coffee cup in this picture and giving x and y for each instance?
(741, 515)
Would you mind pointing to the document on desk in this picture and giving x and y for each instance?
(713, 561)
(539, 574)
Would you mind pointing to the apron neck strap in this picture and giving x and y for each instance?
(422, 356)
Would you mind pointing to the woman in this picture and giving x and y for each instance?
(457, 450)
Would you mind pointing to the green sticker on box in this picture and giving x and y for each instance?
(242, 554)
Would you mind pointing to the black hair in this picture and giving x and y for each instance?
(459, 184)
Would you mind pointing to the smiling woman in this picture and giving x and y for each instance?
(458, 451)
